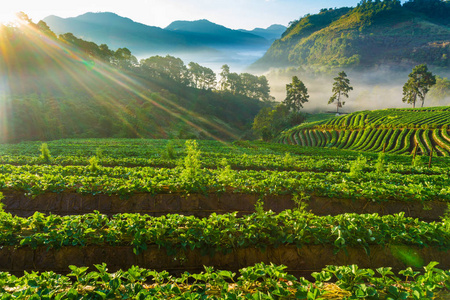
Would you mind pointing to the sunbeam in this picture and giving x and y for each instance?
(60, 62)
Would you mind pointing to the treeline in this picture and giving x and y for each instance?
(374, 32)
(63, 87)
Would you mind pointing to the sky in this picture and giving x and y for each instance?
(236, 14)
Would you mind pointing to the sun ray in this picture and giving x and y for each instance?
(47, 49)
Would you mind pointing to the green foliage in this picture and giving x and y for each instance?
(390, 130)
(296, 94)
(169, 151)
(226, 175)
(154, 98)
(380, 166)
(246, 84)
(94, 164)
(269, 122)
(260, 281)
(1, 204)
(361, 37)
(341, 87)
(135, 166)
(301, 199)
(419, 83)
(418, 161)
(202, 77)
(191, 163)
(99, 153)
(441, 90)
(45, 153)
(357, 166)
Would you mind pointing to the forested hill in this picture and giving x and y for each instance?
(64, 87)
(178, 37)
(373, 33)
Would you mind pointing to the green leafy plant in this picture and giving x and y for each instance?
(380, 165)
(99, 153)
(301, 199)
(94, 164)
(191, 163)
(169, 151)
(226, 175)
(1, 204)
(45, 153)
(357, 166)
(418, 161)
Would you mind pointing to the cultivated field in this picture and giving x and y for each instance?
(176, 206)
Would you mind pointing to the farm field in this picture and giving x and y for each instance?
(423, 131)
(176, 206)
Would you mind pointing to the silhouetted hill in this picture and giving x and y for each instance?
(270, 33)
(117, 31)
(185, 36)
(371, 34)
(60, 88)
(211, 34)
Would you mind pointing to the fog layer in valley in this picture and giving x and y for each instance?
(372, 89)
(238, 59)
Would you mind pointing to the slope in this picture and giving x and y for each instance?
(401, 131)
(55, 90)
(373, 33)
(180, 36)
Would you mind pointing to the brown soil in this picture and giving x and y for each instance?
(203, 205)
(300, 261)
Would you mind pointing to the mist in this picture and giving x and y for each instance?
(372, 89)
(238, 59)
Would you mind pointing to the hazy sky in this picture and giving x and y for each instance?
(246, 14)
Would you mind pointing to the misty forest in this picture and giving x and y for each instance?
(197, 161)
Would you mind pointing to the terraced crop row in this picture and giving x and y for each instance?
(261, 281)
(389, 118)
(398, 131)
(398, 141)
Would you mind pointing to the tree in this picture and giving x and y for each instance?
(341, 87)
(124, 59)
(202, 77)
(223, 83)
(419, 83)
(270, 121)
(441, 90)
(168, 67)
(296, 94)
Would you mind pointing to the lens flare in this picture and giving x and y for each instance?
(49, 51)
(407, 255)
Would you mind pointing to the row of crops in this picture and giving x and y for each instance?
(378, 185)
(223, 233)
(163, 257)
(395, 141)
(261, 281)
(389, 131)
(429, 118)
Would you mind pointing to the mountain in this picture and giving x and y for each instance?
(211, 34)
(66, 88)
(117, 32)
(371, 34)
(270, 33)
(141, 39)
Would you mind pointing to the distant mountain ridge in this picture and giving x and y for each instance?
(371, 34)
(271, 33)
(206, 32)
(118, 32)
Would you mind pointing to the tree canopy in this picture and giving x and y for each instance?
(341, 87)
(420, 80)
(296, 94)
